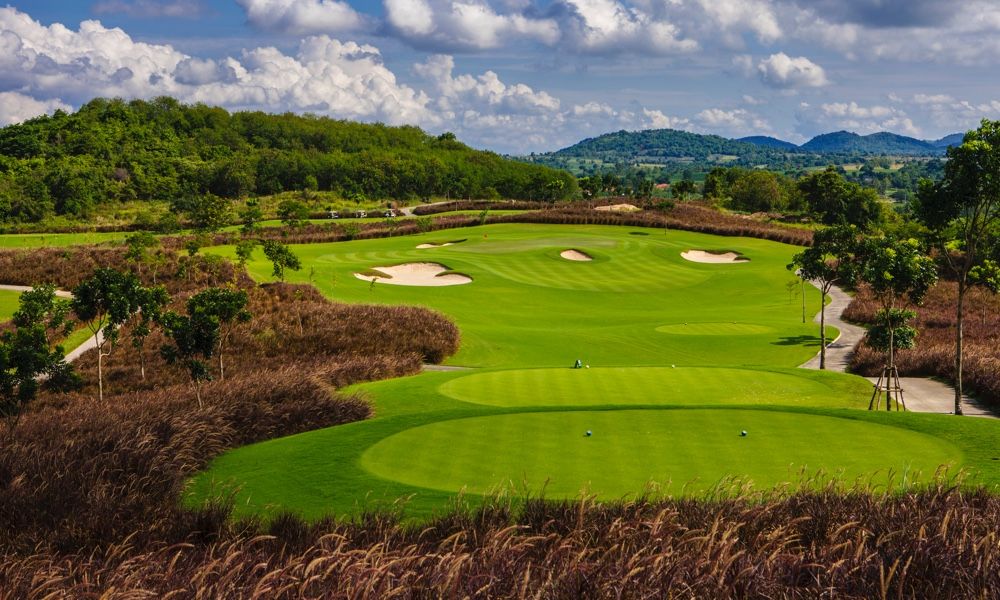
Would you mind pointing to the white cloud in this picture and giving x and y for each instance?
(734, 122)
(782, 71)
(303, 16)
(851, 116)
(326, 76)
(733, 15)
(464, 25)
(15, 107)
(610, 27)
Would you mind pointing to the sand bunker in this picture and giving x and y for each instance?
(619, 208)
(435, 245)
(702, 256)
(416, 274)
(575, 255)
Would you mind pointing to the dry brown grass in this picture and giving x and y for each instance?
(935, 352)
(934, 544)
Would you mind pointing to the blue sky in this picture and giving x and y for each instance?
(524, 75)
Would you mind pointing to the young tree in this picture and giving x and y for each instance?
(281, 258)
(152, 301)
(829, 261)
(223, 309)
(106, 301)
(26, 353)
(900, 274)
(41, 305)
(962, 212)
(244, 252)
(193, 339)
(138, 246)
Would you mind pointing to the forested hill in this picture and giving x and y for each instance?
(662, 144)
(674, 151)
(112, 150)
(771, 142)
(882, 143)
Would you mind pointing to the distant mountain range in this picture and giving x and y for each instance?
(674, 147)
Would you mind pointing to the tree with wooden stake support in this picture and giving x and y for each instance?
(962, 212)
(106, 301)
(829, 261)
(899, 274)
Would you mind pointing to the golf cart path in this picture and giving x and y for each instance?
(77, 352)
(920, 394)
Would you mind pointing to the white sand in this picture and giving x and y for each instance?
(619, 208)
(700, 256)
(575, 255)
(426, 246)
(416, 274)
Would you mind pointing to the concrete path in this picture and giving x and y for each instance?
(77, 352)
(27, 288)
(840, 350)
(445, 368)
(920, 394)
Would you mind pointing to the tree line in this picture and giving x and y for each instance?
(111, 150)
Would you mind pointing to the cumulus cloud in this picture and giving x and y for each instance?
(303, 16)
(738, 121)
(463, 25)
(782, 71)
(15, 107)
(852, 116)
(732, 16)
(344, 79)
(610, 27)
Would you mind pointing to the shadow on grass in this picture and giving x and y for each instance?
(797, 340)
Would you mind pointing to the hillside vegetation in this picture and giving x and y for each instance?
(115, 151)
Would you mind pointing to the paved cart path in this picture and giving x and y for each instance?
(921, 394)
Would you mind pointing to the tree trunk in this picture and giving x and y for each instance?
(222, 370)
(958, 346)
(822, 327)
(100, 374)
(142, 363)
(892, 364)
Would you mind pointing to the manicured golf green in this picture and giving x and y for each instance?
(682, 357)
(630, 448)
(691, 386)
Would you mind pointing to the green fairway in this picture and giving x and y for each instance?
(8, 304)
(628, 449)
(682, 356)
(529, 307)
(47, 240)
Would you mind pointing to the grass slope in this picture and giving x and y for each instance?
(8, 304)
(652, 326)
